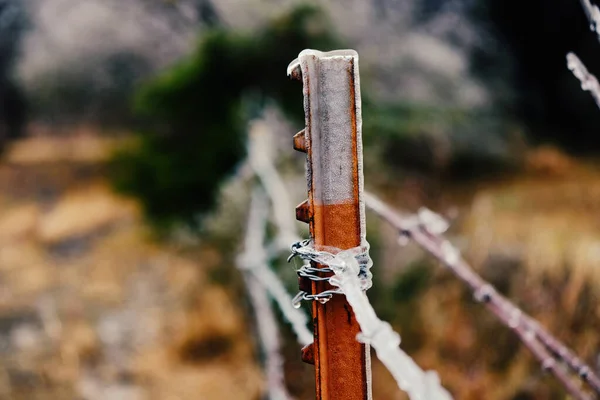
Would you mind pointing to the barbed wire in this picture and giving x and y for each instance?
(593, 15)
(349, 274)
(588, 81)
(260, 160)
(419, 384)
(306, 251)
(545, 347)
(250, 262)
(351, 277)
(254, 261)
(268, 333)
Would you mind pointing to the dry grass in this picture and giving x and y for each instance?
(83, 212)
(78, 269)
(553, 226)
(91, 306)
(537, 237)
(81, 144)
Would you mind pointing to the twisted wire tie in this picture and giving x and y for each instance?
(306, 251)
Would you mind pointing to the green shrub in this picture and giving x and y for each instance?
(195, 115)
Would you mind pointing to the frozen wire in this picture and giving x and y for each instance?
(266, 323)
(588, 81)
(399, 363)
(351, 278)
(268, 332)
(593, 15)
(296, 317)
(305, 250)
(541, 343)
(254, 260)
(418, 384)
(260, 157)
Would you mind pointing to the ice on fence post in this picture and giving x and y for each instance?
(418, 384)
(332, 106)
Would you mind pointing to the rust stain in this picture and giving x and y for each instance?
(342, 366)
(337, 225)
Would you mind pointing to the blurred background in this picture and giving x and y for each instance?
(124, 196)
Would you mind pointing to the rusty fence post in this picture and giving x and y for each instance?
(334, 211)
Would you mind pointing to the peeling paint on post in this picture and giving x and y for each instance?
(335, 209)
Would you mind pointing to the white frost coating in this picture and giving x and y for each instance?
(250, 262)
(593, 14)
(295, 317)
(588, 81)
(268, 332)
(260, 157)
(418, 384)
(332, 107)
(254, 261)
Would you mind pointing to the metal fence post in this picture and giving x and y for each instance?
(334, 211)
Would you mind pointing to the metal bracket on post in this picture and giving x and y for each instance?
(334, 211)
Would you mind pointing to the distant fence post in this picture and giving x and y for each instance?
(334, 211)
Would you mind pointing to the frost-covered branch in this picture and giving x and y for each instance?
(418, 384)
(588, 81)
(426, 231)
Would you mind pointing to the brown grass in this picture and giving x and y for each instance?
(84, 256)
(68, 263)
